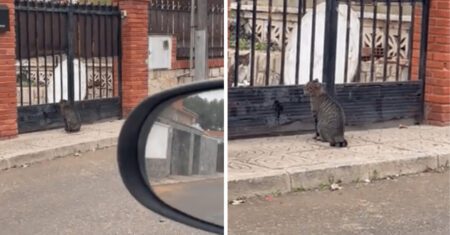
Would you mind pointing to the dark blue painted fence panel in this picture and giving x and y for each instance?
(257, 111)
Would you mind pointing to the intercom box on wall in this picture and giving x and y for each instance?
(4, 18)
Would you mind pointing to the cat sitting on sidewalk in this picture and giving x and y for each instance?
(328, 115)
(72, 119)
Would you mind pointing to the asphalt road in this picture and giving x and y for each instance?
(202, 199)
(76, 195)
(416, 205)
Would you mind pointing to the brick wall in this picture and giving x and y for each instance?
(163, 79)
(437, 89)
(8, 109)
(134, 53)
(415, 60)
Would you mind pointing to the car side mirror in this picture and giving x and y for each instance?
(171, 154)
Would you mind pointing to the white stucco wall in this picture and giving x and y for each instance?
(79, 74)
(305, 51)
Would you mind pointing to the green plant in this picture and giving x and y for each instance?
(323, 186)
(21, 77)
(244, 44)
(375, 175)
(276, 193)
(299, 189)
(260, 46)
(357, 180)
(331, 179)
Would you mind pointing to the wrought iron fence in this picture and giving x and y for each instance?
(372, 61)
(173, 18)
(282, 43)
(66, 51)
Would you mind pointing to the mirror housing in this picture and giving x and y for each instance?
(131, 167)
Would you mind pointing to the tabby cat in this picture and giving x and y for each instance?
(328, 115)
(244, 61)
(72, 119)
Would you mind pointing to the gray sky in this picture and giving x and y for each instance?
(211, 95)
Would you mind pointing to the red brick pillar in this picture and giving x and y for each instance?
(415, 60)
(134, 53)
(8, 102)
(437, 78)
(173, 53)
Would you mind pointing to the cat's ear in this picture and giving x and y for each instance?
(322, 89)
(316, 80)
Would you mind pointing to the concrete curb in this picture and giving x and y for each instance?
(188, 179)
(56, 152)
(301, 179)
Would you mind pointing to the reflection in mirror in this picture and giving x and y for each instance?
(184, 155)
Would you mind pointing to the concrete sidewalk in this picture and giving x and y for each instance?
(292, 163)
(176, 179)
(47, 145)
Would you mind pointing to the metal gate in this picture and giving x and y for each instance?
(174, 18)
(370, 54)
(66, 51)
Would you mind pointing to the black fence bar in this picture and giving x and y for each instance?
(304, 7)
(210, 29)
(28, 50)
(99, 19)
(300, 12)
(361, 39)
(423, 54)
(253, 40)
(329, 58)
(269, 43)
(21, 78)
(347, 37)
(70, 55)
(411, 36)
(60, 55)
(53, 53)
(106, 49)
(86, 53)
(236, 52)
(113, 77)
(222, 29)
(283, 42)
(386, 39)
(79, 53)
(44, 24)
(36, 41)
(374, 27)
(170, 29)
(399, 39)
(313, 36)
(92, 53)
